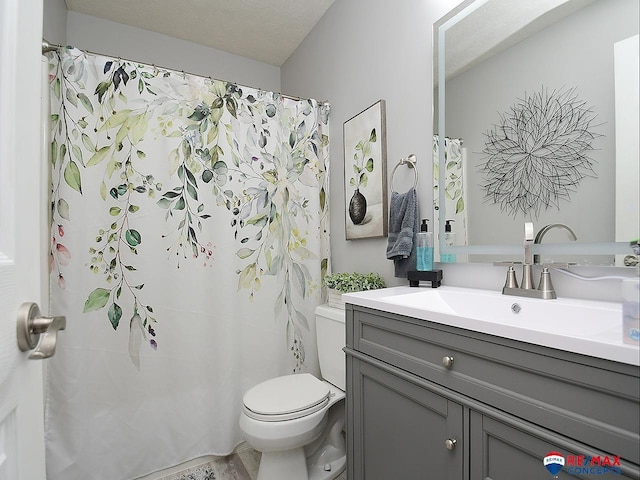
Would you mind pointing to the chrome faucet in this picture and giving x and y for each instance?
(527, 288)
(543, 231)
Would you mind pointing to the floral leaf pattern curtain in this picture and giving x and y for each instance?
(454, 187)
(187, 213)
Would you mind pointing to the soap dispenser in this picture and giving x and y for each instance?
(450, 241)
(424, 248)
(631, 303)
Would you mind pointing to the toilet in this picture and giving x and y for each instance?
(297, 420)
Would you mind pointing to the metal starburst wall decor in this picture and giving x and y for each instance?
(539, 152)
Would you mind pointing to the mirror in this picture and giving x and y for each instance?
(539, 104)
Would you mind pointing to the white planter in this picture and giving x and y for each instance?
(335, 298)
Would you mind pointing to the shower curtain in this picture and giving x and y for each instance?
(455, 195)
(188, 245)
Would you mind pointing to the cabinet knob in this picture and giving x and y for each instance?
(450, 443)
(447, 361)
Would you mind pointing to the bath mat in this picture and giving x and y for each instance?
(199, 472)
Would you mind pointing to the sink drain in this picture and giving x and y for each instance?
(515, 308)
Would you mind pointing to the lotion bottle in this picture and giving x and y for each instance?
(424, 248)
(631, 304)
(450, 241)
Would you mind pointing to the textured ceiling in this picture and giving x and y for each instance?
(498, 24)
(268, 31)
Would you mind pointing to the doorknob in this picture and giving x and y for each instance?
(37, 332)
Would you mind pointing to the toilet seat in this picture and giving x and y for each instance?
(286, 398)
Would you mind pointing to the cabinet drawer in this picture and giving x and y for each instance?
(580, 397)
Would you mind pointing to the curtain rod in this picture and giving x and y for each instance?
(52, 47)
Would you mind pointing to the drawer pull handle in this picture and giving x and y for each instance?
(447, 361)
(450, 443)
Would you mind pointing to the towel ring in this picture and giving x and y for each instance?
(410, 161)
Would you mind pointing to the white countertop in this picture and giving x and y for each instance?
(586, 327)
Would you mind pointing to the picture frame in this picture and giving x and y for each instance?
(365, 173)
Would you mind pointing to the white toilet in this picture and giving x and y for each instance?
(296, 421)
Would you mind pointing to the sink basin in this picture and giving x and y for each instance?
(588, 327)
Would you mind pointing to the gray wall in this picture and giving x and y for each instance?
(54, 21)
(115, 39)
(361, 51)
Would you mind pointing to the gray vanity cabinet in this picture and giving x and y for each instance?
(400, 427)
(426, 400)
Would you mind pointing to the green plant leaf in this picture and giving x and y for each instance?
(114, 314)
(97, 299)
(232, 106)
(72, 176)
(63, 208)
(459, 205)
(116, 119)
(364, 180)
(245, 252)
(372, 137)
(71, 97)
(86, 103)
(56, 87)
(180, 204)
(133, 237)
(97, 157)
(192, 192)
(88, 143)
(301, 282)
(101, 89)
(54, 152)
(115, 211)
(369, 165)
(77, 153)
(138, 128)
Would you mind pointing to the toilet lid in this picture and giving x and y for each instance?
(286, 397)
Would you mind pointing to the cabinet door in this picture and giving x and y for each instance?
(398, 429)
(503, 452)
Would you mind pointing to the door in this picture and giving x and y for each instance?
(399, 429)
(22, 235)
(502, 452)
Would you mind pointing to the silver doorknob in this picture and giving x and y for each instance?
(447, 361)
(37, 332)
(450, 443)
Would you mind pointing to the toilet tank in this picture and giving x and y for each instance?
(331, 339)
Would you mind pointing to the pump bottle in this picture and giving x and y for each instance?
(450, 241)
(424, 248)
(631, 304)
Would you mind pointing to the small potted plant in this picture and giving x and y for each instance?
(339, 283)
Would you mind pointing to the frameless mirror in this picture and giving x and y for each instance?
(536, 120)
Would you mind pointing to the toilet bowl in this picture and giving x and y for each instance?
(297, 420)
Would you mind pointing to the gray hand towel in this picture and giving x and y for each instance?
(403, 227)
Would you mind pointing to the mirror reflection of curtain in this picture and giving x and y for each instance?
(189, 239)
(455, 156)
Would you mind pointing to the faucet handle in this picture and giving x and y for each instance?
(546, 287)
